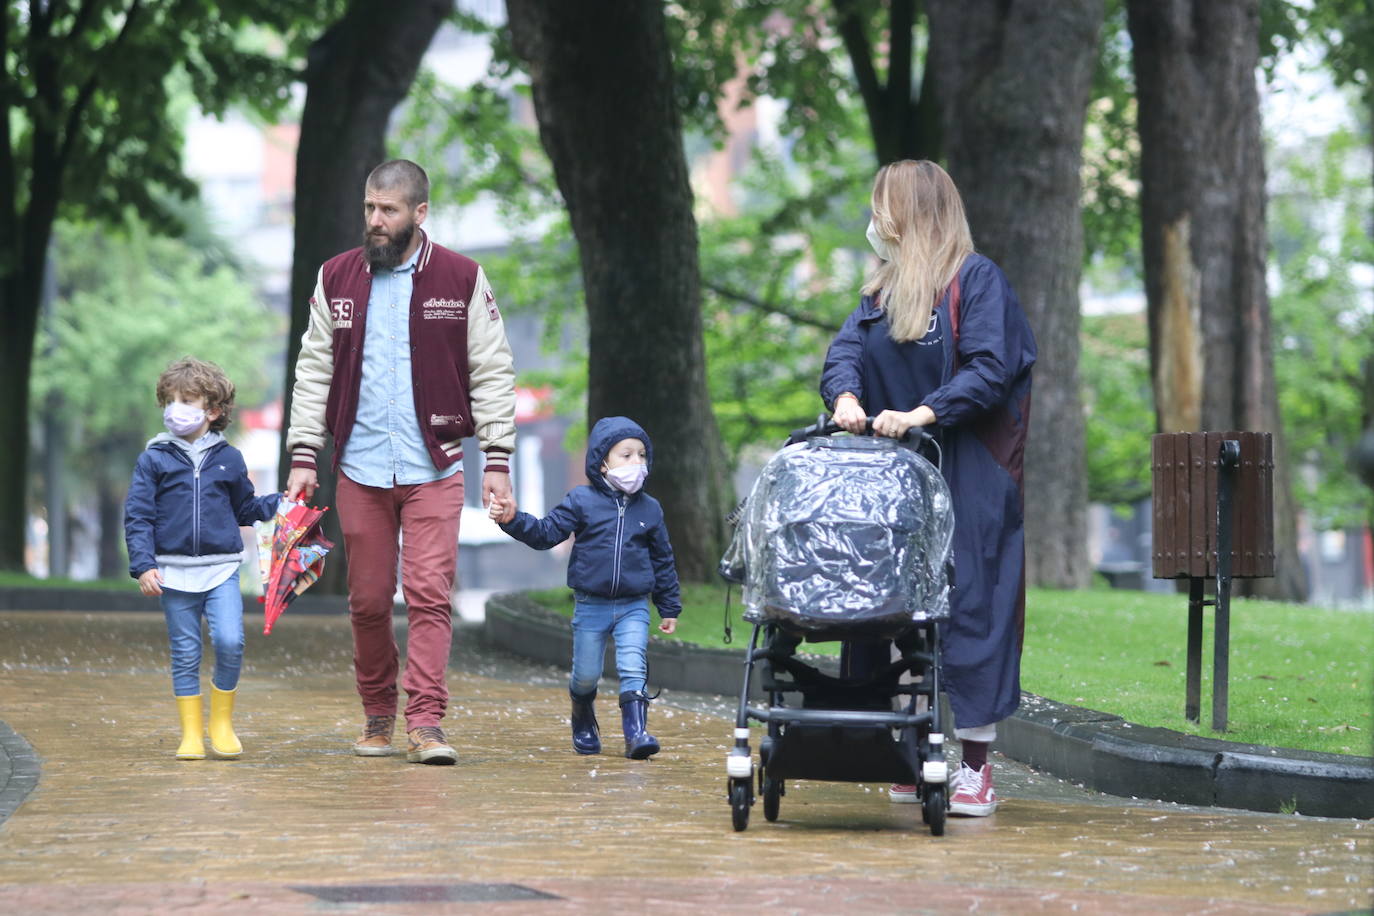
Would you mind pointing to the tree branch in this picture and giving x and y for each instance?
(83, 17)
(771, 308)
(87, 91)
(851, 29)
(901, 29)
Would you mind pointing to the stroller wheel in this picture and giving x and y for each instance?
(933, 809)
(739, 803)
(772, 796)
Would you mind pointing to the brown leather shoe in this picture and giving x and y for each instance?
(427, 745)
(376, 738)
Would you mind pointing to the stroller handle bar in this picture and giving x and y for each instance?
(915, 436)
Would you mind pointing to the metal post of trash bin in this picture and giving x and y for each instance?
(1192, 703)
(1228, 461)
(1212, 519)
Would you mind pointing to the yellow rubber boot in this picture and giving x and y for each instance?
(192, 745)
(223, 741)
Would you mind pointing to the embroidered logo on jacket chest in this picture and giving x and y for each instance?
(444, 310)
(341, 310)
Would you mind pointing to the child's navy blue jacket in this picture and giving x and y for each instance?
(622, 547)
(172, 509)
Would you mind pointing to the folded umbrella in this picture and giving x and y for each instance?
(291, 552)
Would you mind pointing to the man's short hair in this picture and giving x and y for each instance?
(404, 176)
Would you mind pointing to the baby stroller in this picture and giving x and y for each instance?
(843, 537)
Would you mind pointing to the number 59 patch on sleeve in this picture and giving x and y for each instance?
(492, 311)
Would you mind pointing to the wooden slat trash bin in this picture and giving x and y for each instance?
(1213, 518)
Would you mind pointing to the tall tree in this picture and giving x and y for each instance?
(356, 73)
(1204, 236)
(1014, 81)
(86, 90)
(604, 97)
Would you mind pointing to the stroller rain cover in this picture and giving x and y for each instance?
(847, 531)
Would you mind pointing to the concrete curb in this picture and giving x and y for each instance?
(1099, 750)
(19, 769)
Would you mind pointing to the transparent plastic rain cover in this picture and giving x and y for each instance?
(845, 531)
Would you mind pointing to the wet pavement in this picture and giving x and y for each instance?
(521, 824)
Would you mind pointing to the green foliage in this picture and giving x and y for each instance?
(1111, 150)
(784, 49)
(90, 86)
(1345, 30)
(1114, 366)
(129, 302)
(1322, 321)
(778, 279)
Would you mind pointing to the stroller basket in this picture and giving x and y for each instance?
(851, 532)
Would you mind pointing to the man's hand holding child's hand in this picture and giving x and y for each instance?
(668, 625)
(150, 583)
(501, 510)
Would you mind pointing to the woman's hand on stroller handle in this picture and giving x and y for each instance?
(825, 426)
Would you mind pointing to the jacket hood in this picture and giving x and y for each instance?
(606, 433)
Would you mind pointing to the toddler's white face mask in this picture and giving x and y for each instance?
(627, 478)
(182, 419)
(881, 246)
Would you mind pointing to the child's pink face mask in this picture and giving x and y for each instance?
(627, 478)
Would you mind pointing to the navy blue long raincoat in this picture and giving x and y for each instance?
(981, 399)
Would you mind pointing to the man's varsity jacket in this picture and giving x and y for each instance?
(462, 373)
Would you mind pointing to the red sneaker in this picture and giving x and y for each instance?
(973, 795)
(902, 794)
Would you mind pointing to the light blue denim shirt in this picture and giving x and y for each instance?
(385, 447)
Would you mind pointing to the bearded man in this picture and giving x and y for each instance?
(405, 355)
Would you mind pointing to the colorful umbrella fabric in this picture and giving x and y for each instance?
(291, 552)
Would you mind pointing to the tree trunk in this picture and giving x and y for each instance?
(903, 116)
(1014, 82)
(603, 94)
(109, 501)
(356, 73)
(1204, 236)
(20, 297)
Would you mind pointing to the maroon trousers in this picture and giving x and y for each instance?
(419, 524)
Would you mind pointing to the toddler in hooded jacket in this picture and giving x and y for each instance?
(621, 558)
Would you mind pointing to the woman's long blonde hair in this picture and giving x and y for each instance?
(918, 211)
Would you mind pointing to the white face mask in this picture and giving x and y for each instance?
(881, 246)
(182, 419)
(627, 478)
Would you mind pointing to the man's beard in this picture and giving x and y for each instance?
(387, 255)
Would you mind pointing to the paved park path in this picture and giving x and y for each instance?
(522, 825)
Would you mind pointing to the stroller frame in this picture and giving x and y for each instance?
(825, 738)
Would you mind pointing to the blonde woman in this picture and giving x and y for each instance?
(940, 340)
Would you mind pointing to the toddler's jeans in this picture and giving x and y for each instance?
(596, 618)
(222, 606)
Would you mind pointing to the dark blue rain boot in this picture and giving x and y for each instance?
(585, 733)
(634, 713)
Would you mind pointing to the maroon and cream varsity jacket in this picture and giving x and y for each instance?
(463, 374)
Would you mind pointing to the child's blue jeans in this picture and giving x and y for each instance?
(594, 619)
(222, 606)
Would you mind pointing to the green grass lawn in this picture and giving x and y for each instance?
(1301, 676)
(24, 580)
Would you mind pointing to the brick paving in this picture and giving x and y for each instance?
(521, 824)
